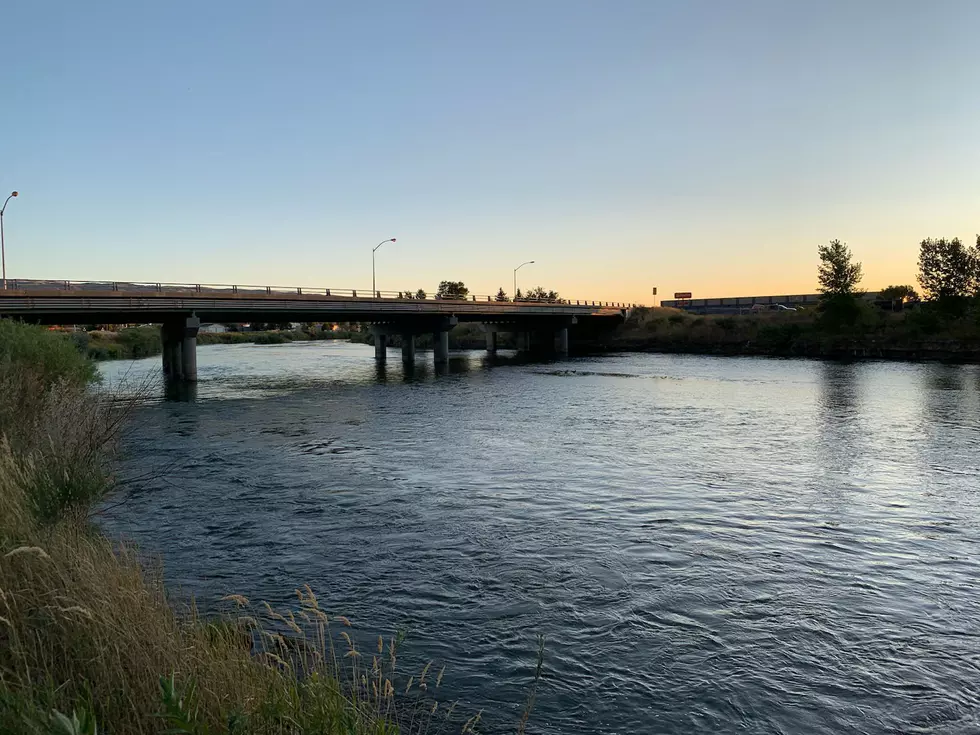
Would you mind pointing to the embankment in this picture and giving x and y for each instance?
(921, 334)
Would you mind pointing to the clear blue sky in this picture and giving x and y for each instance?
(703, 146)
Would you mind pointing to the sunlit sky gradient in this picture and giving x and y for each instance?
(702, 146)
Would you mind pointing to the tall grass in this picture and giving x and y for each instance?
(89, 639)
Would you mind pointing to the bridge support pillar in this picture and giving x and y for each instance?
(179, 338)
(492, 342)
(523, 341)
(380, 344)
(440, 346)
(408, 347)
(188, 349)
(171, 343)
(562, 338)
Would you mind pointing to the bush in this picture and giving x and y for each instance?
(140, 342)
(50, 356)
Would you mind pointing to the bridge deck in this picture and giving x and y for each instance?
(68, 302)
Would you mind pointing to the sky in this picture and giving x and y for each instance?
(688, 145)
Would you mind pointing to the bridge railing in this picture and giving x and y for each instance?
(218, 289)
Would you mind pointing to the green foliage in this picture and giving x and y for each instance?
(138, 342)
(839, 310)
(51, 356)
(270, 338)
(83, 724)
(501, 295)
(421, 295)
(455, 290)
(838, 276)
(181, 712)
(948, 270)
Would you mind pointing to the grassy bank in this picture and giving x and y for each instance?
(921, 333)
(89, 639)
(136, 342)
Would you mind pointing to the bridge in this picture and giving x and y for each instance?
(181, 308)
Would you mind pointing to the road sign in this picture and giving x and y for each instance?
(682, 295)
(654, 290)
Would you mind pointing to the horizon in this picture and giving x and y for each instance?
(686, 146)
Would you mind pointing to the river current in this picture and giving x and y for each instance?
(710, 545)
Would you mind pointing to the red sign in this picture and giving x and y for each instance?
(683, 295)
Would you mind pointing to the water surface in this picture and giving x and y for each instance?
(708, 544)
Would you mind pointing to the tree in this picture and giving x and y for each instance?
(455, 290)
(947, 269)
(501, 295)
(421, 295)
(539, 294)
(838, 276)
(518, 296)
(896, 297)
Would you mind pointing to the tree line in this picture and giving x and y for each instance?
(457, 291)
(949, 276)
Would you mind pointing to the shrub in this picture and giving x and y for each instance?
(49, 355)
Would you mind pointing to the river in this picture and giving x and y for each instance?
(707, 544)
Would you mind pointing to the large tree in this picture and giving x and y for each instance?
(838, 274)
(947, 269)
(501, 295)
(452, 290)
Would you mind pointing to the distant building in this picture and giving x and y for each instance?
(748, 304)
(214, 328)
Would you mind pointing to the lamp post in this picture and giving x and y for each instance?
(374, 287)
(515, 276)
(3, 248)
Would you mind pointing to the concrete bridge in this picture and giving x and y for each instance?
(181, 308)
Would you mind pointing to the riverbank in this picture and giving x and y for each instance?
(920, 334)
(137, 342)
(90, 640)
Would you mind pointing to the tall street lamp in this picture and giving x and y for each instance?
(3, 249)
(515, 276)
(374, 286)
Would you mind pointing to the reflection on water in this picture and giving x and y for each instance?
(708, 545)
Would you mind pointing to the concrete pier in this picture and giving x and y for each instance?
(380, 344)
(179, 338)
(440, 345)
(408, 347)
(492, 342)
(562, 339)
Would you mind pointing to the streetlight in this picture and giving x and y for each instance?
(374, 287)
(515, 276)
(3, 249)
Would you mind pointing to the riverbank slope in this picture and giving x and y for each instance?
(920, 334)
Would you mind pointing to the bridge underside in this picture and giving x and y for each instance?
(542, 325)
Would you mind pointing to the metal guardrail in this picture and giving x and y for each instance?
(164, 289)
